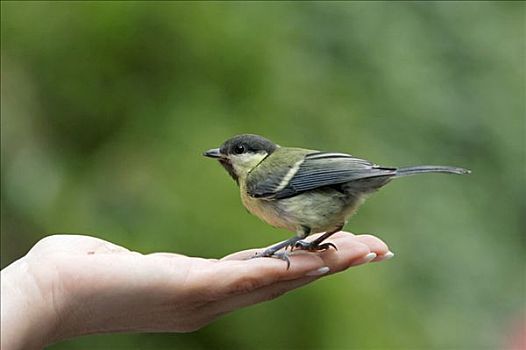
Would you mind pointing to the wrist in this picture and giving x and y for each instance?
(29, 307)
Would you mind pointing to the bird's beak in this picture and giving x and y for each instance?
(212, 153)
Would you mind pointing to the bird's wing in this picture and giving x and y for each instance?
(314, 170)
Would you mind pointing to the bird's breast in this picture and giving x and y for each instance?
(321, 210)
(269, 211)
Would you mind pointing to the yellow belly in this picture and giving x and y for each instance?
(320, 210)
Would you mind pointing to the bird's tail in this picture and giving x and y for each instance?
(421, 169)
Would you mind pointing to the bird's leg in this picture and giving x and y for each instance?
(291, 242)
(273, 251)
(315, 245)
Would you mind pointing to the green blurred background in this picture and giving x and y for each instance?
(106, 108)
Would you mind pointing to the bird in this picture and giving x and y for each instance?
(302, 190)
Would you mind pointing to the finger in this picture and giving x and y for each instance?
(260, 295)
(241, 277)
(377, 246)
(351, 252)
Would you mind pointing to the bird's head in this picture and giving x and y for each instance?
(240, 154)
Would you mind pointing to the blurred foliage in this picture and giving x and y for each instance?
(107, 106)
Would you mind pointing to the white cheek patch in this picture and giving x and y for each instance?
(245, 162)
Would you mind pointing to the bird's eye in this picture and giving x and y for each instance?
(239, 149)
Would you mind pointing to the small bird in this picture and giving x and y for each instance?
(304, 191)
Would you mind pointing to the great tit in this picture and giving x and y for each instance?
(302, 190)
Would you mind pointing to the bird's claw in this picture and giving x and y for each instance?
(313, 247)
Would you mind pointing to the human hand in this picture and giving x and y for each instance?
(70, 285)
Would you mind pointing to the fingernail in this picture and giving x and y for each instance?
(319, 272)
(386, 256)
(369, 257)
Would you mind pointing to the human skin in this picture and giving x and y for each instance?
(72, 285)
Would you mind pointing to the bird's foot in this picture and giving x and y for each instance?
(270, 254)
(313, 246)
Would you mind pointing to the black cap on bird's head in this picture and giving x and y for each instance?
(239, 154)
(246, 143)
